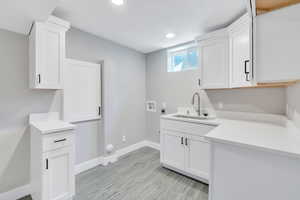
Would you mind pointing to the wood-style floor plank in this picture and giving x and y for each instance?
(137, 176)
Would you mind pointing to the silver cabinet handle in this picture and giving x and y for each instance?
(39, 78)
(62, 140)
(47, 164)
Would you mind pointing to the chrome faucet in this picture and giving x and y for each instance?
(198, 110)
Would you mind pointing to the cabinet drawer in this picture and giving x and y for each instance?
(58, 140)
(186, 127)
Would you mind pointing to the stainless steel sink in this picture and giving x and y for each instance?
(192, 117)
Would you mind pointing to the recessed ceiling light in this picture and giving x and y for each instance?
(118, 2)
(170, 35)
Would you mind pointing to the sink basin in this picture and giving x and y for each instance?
(192, 117)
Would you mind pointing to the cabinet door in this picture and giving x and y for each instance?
(197, 156)
(173, 149)
(58, 176)
(50, 57)
(214, 62)
(240, 57)
(82, 91)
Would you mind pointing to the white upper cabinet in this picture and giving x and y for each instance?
(277, 45)
(225, 56)
(240, 62)
(214, 60)
(82, 91)
(47, 53)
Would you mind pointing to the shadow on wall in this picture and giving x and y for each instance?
(15, 159)
(16, 103)
(260, 100)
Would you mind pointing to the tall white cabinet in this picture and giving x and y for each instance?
(52, 158)
(47, 53)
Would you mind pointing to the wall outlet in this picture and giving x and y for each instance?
(124, 138)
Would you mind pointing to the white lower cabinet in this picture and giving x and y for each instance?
(52, 160)
(58, 178)
(186, 151)
(173, 149)
(198, 156)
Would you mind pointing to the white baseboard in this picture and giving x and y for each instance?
(105, 160)
(88, 165)
(110, 159)
(16, 193)
(153, 145)
(130, 148)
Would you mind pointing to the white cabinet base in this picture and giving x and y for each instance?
(52, 158)
(242, 173)
(184, 149)
(203, 180)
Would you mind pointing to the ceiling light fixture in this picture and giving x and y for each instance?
(118, 2)
(170, 35)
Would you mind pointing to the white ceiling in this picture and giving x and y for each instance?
(143, 24)
(139, 24)
(18, 15)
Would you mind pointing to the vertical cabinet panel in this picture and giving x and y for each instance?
(241, 70)
(214, 63)
(51, 62)
(240, 61)
(58, 174)
(173, 149)
(198, 156)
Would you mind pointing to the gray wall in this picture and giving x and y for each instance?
(176, 89)
(16, 102)
(123, 94)
(124, 97)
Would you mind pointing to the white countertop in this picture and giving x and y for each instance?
(262, 131)
(52, 126)
(49, 122)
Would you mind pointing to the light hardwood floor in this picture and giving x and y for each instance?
(137, 176)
